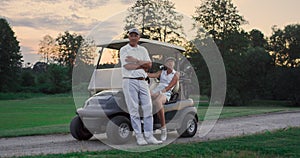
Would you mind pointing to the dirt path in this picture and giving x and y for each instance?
(51, 144)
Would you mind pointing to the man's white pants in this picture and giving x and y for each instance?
(137, 92)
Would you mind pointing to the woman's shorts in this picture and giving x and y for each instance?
(161, 87)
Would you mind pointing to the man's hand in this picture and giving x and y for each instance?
(145, 66)
(131, 59)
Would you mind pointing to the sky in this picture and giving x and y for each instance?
(31, 20)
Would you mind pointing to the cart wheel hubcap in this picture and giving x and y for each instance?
(124, 130)
(191, 126)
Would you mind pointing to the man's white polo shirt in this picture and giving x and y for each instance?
(138, 52)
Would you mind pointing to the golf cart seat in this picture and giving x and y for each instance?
(174, 95)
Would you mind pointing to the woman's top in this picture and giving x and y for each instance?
(165, 80)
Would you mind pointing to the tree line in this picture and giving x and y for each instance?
(54, 74)
(257, 67)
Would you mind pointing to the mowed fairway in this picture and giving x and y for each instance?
(41, 115)
(256, 108)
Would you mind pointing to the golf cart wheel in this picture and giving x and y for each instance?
(78, 130)
(188, 127)
(119, 130)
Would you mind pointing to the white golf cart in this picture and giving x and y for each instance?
(106, 111)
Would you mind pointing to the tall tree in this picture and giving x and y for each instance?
(157, 20)
(219, 17)
(285, 51)
(245, 57)
(285, 45)
(87, 52)
(10, 57)
(48, 49)
(220, 20)
(84, 65)
(68, 46)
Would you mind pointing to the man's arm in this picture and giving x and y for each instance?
(137, 64)
(146, 65)
(154, 75)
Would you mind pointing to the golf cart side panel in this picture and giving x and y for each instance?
(175, 112)
(103, 79)
(177, 121)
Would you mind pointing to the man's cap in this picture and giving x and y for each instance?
(170, 58)
(134, 30)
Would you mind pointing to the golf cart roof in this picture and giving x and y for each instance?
(152, 45)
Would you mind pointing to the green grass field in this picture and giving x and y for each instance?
(41, 115)
(260, 107)
(282, 143)
(230, 112)
(53, 113)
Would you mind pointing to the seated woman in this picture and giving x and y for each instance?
(162, 93)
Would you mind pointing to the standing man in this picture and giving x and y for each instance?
(135, 61)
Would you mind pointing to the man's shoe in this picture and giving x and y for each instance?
(152, 140)
(140, 140)
(163, 136)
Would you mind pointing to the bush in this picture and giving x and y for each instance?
(55, 80)
(27, 78)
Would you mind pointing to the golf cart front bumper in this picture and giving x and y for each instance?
(94, 120)
(98, 110)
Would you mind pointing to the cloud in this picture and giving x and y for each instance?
(4, 4)
(47, 1)
(72, 23)
(91, 4)
(83, 27)
(53, 14)
(107, 30)
(33, 18)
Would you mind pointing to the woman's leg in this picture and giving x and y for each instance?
(159, 103)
